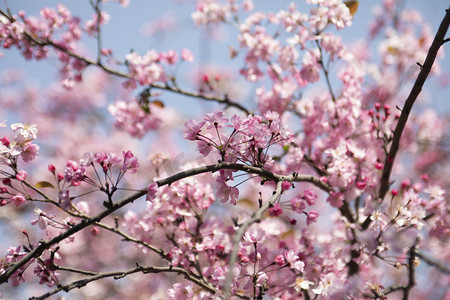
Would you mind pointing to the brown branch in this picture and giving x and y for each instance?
(415, 91)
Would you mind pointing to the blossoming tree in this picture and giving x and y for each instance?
(328, 182)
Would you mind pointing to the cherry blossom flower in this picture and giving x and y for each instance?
(226, 193)
(192, 129)
(187, 55)
(130, 163)
(18, 200)
(294, 261)
(152, 191)
(24, 132)
(252, 237)
(312, 217)
(21, 175)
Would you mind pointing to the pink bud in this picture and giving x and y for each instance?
(406, 184)
(279, 260)
(21, 175)
(51, 168)
(394, 192)
(5, 141)
(361, 185)
(286, 185)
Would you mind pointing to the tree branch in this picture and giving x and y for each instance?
(120, 274)
(415, 91)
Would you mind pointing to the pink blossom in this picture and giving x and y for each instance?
(310, 196)
(130, 163)
(226, 193)
(180, 292)
(275, 210)
(187, 55)
(51, 168)
(152, 190)
(18, 200)
(336, 199)
(312, 217)
(279, 260)
(252, 237)
(171, 57)
(21, 175)
(286, 185)
(5, 141)
(24, 132)
(311, 67)
(298, 205)
(30, 151)
(215, 120)
(132, 118)
(41, 220)
(192, 129)
(209, 13)
(293, 260)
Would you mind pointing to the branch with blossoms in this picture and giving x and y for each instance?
(405, 111)
(250, 245)
(121, 274)
(167, 85)
(251, 151)
(150, 191)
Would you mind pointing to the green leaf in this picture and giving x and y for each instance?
(44, 184)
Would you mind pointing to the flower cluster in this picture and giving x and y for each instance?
(132, 117)
(249, 141)
(148, 68)
(76, 173)
(21, 144)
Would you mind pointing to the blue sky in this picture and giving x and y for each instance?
(124, 33)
